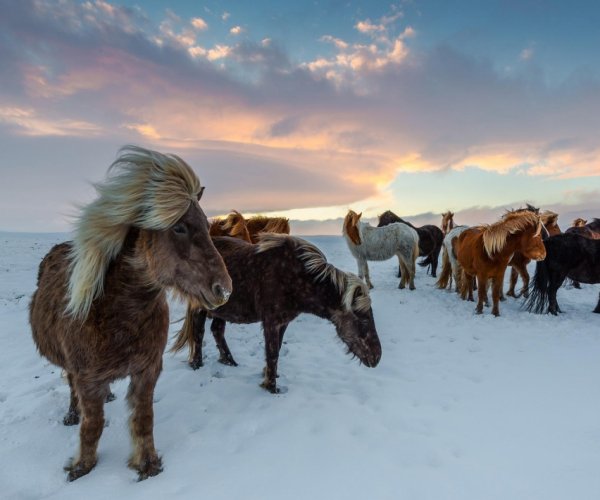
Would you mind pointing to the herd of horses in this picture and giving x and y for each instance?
(100, 310)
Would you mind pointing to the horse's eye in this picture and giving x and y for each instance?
(180, 228)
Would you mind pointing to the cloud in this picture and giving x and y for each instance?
(199, 23)
(339, 127)
(236, 30)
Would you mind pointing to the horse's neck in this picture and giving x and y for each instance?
(128, 277)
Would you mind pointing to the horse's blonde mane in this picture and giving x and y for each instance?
(496, 234)
(548, 217)
(143, 188)
(316, 265)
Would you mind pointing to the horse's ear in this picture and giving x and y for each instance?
(358, 216)
(201, 192)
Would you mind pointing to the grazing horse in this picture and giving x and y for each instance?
(447, 222)
(568, 255)
(100, 310)
(273, 282)
(519, 262)
(382, 243)
(261, 224)
(430, 239)
(484, 252)
(233, 225)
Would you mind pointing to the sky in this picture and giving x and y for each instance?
(305, 109)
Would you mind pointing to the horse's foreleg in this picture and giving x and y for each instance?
(144, 458)
(525, 277)
(514, 276)
(282, 330)
(366, 273)
(199, 320)
(272, 338)
(481, 292)
(91, 400)
(496, 293)
(72, 416)
(217, 327)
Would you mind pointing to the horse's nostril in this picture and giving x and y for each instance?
(220, 291)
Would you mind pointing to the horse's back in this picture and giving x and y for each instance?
(575, 255)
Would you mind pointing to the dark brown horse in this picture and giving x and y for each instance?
(261, 224)
(233, 225)
(273, 282)
(430, 239)
(519, 262)
(589, 229)
(100, 310)
(484, 252)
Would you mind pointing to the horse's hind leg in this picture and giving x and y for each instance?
(144, 458)
(403, 274)
(217, 327)
(525, 277)
(91, 400)
(481, 293)
(72, 416)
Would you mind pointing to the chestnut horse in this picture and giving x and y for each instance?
(447, 222)
(430, 240)
(261, 224)
(382, 243)
(100, 310)
(233, 225)
(519, 262)
(273, 282)
(484, 252)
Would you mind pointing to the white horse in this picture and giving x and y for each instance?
(381, 243)
(450, 265)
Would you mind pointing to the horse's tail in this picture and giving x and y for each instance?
(446, 273)
(538, 289)
(427, 260)
(185, 336)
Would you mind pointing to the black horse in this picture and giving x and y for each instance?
(430, 239)
(568, 255)
(273, 282)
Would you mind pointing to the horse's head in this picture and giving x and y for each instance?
(236, 227)
(351, 226)
(156, 194)
(550, 221)
(532, 241)
(354, 322)
(184, 257)
(447, 221)
(579, 222)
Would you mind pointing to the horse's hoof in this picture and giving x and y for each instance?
(148, 468)
(496, 313)
(478, 311)
(412, 287)
(196, 363)
(71, 418)
(110, 397)
(270, 386)
(227, 360)
(401, 286)
(78, 469)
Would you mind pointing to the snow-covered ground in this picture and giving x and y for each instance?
(460, 407)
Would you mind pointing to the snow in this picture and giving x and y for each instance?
(460, 407)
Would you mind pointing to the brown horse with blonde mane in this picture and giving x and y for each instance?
(262, 224)
(485, 251)
(100, 309)
(233, 225)
(447, 222)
